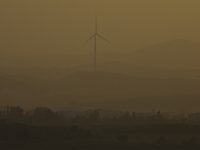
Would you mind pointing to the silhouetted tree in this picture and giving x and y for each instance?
(162, 141)
(15, 132)
(193, 140)
(94, 117)
(122, 138)
(159, 116)
(133, 116)
(127, 115)
(43, 114)
(153, 111)
(75, 120)
(125, 118)
(15, 112)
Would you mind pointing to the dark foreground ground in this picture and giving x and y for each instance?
(17, 136)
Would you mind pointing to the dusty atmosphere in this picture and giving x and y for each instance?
(99, 74)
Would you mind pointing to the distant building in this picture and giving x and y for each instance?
(70, 113)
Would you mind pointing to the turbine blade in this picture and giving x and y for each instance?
(95, 24)
(103, 38)
(89, 39)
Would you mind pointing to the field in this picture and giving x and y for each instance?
(155, 136)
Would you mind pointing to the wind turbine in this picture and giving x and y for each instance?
(95, 46)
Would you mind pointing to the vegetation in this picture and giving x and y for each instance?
(45, 129)
(21, 136)
(46, 115)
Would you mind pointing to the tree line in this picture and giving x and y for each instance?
(44, 114)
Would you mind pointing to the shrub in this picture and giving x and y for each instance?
(123, 138)
(162, 141)
(193, 140)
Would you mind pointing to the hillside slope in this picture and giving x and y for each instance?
(97, 89)
(109, 66)
(172, 54)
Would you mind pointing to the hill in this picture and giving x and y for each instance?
(100, 89)
(110, 66)
(112, 90)
(91, 83)
(19, 89)
(174, 54)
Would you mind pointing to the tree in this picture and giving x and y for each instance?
(162, 141)
(122, 138)
(75, 120)
(43, 114)
(159, 116)
(133, 115)
(94, 117)
(127, 116)
(193, 140)
(15, 112)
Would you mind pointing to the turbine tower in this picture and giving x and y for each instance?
(95, 46)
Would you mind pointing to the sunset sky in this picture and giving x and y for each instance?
(32, 27)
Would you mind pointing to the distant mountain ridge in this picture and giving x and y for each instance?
(103, 89)
(172, 54)
(92, 88)
(112, 83)
(110, 67)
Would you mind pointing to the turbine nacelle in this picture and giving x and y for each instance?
(94, 36)
(98, 36)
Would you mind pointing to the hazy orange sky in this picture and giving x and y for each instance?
(62, 26)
